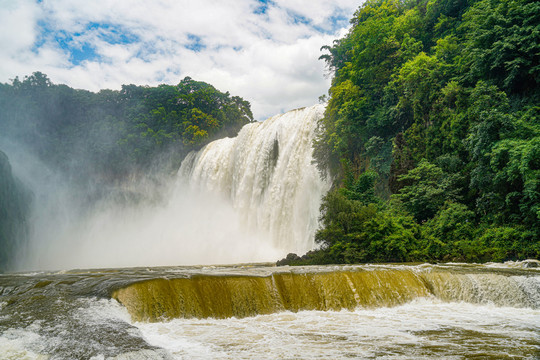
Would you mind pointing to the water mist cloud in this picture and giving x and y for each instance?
(190, 229)
(252, 198)
(143, 222)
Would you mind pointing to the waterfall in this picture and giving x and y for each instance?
(324, 288)
(267, 174)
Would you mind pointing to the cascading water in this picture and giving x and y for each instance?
(268, 175)
(249, 293)
(453, 311)
(252, 198)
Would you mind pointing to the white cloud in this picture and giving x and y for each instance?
(18, 23)
(269, 58)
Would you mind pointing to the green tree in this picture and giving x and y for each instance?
(503, 44)
(427, 189)
(450, 234)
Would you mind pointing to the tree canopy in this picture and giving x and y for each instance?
(440, 99)
(112, 133)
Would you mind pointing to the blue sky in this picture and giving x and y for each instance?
(265, 51)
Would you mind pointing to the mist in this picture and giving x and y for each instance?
(251, 198)
(142, 222)
(109, 189)
(102, 169)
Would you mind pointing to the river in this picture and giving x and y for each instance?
(451, 311)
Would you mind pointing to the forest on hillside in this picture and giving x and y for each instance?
(110, 135)
(98, 147)
(432, 134)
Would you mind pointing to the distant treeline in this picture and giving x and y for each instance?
(111, 134)
(432, 131)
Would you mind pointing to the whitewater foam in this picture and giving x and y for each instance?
(423, 329)
(267, 174)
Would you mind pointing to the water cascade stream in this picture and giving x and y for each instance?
(243, 294)
(250, 198)
(267, 173)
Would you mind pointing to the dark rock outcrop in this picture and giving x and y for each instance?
(15, 202)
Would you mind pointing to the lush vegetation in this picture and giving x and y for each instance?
(114, 134)
(432, 132)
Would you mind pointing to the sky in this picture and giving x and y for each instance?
(264, 51)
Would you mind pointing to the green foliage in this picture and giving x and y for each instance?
(439, 99)
(362, 188)
(503, 44)
(501, 243)
(516, 180)
(428, 188)
(353, 232)
(450, 234)
(112, 134)
(419, 80)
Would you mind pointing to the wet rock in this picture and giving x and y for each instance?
(288, 260)
(15, 200)
(531, 263)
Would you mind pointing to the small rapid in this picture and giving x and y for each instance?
(271, 290)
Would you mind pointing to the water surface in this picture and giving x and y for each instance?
(450, 311)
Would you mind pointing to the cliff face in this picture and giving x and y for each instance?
(15, 201)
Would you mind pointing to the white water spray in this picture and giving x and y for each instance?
(252, 198)
(267, 173)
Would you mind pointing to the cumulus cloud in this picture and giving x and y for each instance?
(265, 51)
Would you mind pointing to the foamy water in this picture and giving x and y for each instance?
(423, 329)
(70, 315)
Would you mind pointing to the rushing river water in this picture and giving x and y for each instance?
(452, 311)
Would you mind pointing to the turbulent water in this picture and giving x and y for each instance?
(250, 198)
(425, 311)
(267, 173)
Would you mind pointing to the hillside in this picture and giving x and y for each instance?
(432, 134)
